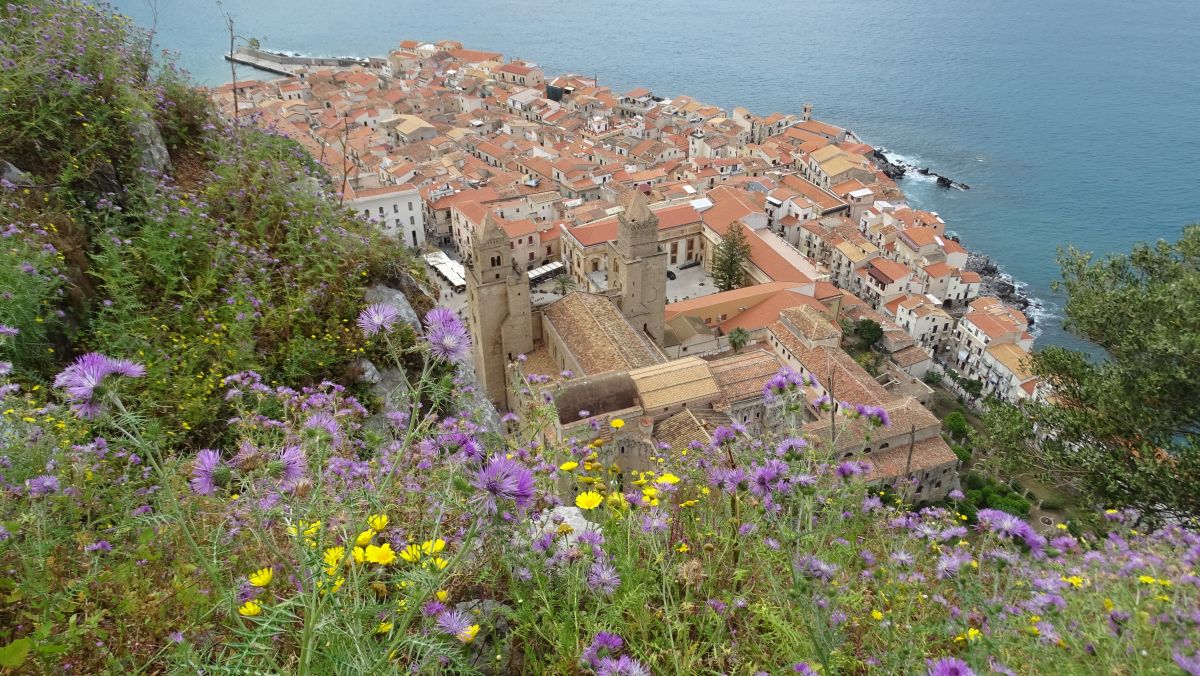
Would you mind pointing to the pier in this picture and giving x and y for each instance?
(287, 65)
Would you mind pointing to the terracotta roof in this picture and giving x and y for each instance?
(890, 269)
(680, 430)
(811, 323)
(1013, 358)
(831, 364)
(913, 354)
(891, 462)
(675, 382)
(597, 336)
(742, 376)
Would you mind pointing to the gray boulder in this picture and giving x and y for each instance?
(13, 175)
(389, 296)
(148, 141)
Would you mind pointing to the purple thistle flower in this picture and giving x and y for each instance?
(447, 337)
(453, 622)
(377, 318)
(433, 607)
(815, 569)
(603, 643)
(949, 563)
(41, 485)
(949, 666)
(81, 379)
(100, 546)
(603, 578)
(803, 668)
(768, 477)
(1011, 527)
(6, 330)
(621, 666)
(1189, 663)
(850, 468)
(875, 415)
(207, 461)
(293, 461)
(504, 479)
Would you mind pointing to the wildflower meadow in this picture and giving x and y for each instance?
(194, 476)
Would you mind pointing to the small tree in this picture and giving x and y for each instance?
(738, 339)
(729, 257)
(956, 425)
(869, 331)
(564, 284)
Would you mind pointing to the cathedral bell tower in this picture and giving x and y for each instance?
(639, 267)
(499, 307)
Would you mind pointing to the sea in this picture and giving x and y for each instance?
(1075, 122)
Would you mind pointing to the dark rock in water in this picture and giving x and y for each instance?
(1005, 289)
(1030, 318)
(924, 172)
(945, 182)
(964, 186)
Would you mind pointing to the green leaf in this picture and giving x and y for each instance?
(13, 655)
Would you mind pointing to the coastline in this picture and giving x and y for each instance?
(994, 280)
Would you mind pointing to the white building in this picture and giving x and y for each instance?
(396, 209)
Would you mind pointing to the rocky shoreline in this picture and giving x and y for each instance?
(896, 169)
(995, 282)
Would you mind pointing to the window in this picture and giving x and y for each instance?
(396, 208)
(412, 220)
(410, 206)
(380, 211)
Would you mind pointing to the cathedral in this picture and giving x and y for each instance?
(586, 334)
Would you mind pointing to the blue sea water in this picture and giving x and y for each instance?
(1076, 122)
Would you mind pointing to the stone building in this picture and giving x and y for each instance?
(499, 307)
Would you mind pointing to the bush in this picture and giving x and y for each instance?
(933, 377)
(963, 453)
(307, 532)
(956, 424)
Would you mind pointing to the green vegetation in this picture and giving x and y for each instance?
(189, 483)
(729, 259)
(868, 331)
(984, 492)
(956, 424)
(738, 339)
(1129, 422)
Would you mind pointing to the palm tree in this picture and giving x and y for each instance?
(738, 339)
(565, 284)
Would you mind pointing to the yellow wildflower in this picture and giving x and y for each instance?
(1145, 579)
(411, 553)
(250, 609)
(442, 595)
(568, 466)
(617, 501)
(1074, 580)
(1108, 605)
(876, 615)
(564, 528)
(381, 554)
(364, 538)
(431, 547)
(617, 423)
(334, 556)
(588, 500)
(377, 522)
(440, 563)
(384, 628)
(667, 478)
(261, 577)
(682, 548)
(359, 554)
(467, 635)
